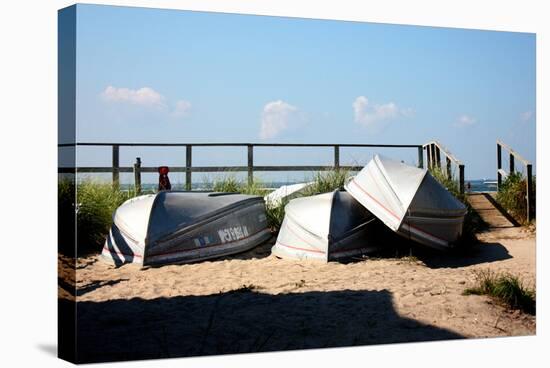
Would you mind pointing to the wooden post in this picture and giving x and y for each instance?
(250, 164)
(530, 194)
(115, 166)
(438, 157)
(420, 157)
(137, 176)
(449, 173)
(511, 163)
(433, 155)
(499, 166)
(461, 178)
(336, 157)
(429, 155)
(188, 165)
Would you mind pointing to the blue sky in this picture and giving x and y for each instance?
(175, 76)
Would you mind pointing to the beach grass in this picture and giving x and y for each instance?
(231, 184)
(511, 196)
(506, 288)
(96, 203)
(93, 203)
(275, 215)
(327, 181)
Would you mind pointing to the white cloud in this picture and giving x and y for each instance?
(368, 114)
(526, 116)
(144, 96)
(181, 109)
(464, 121)
(276, 117)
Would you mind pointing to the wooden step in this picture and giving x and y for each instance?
(484, 205)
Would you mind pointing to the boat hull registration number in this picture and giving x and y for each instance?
(233, 233)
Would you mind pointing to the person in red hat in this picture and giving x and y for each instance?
(164, 182)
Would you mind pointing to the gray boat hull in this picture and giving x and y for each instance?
(187, 227)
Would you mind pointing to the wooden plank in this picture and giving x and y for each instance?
(461, 178)
(503, 174)
(531, 211)
(141, 144)
(250, 164)
(438, 156)
(445, 151)
(429, 156)
(499, 165)
(137, 176)
(115, 157)
(449, 173)
(107, 169)
(188, 166)
(512, 164)
(420, 157)
(517, 155)
(336, 157)
(434, 164)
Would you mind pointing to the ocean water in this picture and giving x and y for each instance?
(478, 185)
(482, 185)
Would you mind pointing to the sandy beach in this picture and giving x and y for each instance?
(256, 302)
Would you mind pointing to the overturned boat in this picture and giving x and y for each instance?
(409, 201)
(325, 227)
(285, 193)
(178, 227)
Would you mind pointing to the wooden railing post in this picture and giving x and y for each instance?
(137, 176)
(429, 155)
(420, 157)
(449, 173)
(530, 194)
(438, 157)
(250, 164)
(511, 163)
(461, 178)
(188, 166)
(116, 166)
(499, 166)
(336, 157)
(433, 155)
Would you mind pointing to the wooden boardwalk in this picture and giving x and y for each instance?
(490, 211)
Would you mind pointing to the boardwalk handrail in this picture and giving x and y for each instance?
(512, 152)
(137, 169)
(433, 153)
(528, 179)
(241, 144)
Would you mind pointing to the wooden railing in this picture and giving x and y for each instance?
(501, 173)
(188, 169)
(250, 168)
(434, 150)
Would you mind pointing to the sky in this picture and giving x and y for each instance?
(175, 76)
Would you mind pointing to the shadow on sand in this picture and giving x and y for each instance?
(242, 321)
(477, 254)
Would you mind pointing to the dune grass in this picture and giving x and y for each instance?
(275, 215)
(94, 204)
(511, 196)
(230, 184)
(327, 181)
(506, 288)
